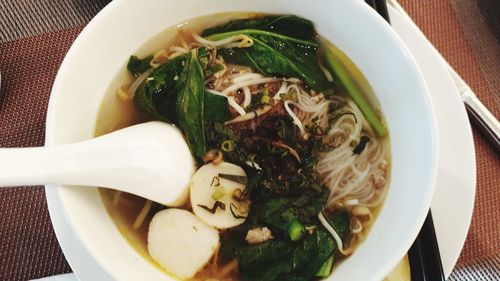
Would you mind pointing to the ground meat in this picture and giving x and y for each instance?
(258, 235)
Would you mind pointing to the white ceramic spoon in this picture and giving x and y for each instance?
(151, 160)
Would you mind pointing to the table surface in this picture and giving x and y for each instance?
(35, 36)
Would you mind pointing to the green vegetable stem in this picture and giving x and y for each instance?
(340, 71)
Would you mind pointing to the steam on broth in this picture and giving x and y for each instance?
(293, 155)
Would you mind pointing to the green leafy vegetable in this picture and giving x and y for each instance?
(326, 268)
(288, 25)
(175, 93)
(156, 94)
(253, 257)
(283, 45)
(309, 257)
(190, 103)
(216, 108)
(339, 222)
(284, 259)
(137, 66)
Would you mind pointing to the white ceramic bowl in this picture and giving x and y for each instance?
(101, 51)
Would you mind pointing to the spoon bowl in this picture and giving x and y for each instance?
(151, 160)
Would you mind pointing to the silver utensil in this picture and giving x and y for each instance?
(484, 120)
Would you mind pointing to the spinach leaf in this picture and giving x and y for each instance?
(175, 93)
(137, 66)
(281, 258)
(265, 261)
(288, 25)
(290, 214)
(216, 108)
(156, 94)
(340, 222)
(286, 260)
(283, 46)
(255, 256)
(190, 103)
(315, 249)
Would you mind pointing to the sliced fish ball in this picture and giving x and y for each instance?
(180, 242)
(207, 188)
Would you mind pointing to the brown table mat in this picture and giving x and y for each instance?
(35, 35)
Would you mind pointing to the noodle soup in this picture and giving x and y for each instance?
(286, 130)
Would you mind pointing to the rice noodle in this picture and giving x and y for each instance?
(295, 119)
(281, 90)
(354, 180)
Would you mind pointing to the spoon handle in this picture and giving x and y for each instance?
(65, 164)
(150, 160)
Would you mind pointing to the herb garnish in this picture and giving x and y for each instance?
(361, 145)
(234, 214)
(235, 178)
(214, 208)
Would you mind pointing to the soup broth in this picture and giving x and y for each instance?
(132, 215)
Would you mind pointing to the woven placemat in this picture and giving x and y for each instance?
(35, 36)
(480, 258)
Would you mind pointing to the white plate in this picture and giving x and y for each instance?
(456, 178)
(456, 181)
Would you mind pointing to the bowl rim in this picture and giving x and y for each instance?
(55, 94)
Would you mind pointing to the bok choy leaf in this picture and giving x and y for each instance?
(283, 46)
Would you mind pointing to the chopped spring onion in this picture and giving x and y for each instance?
(228, 146)
(218, 193)
(265, 97)
(296, 230)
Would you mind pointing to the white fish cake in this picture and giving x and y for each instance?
(205, 184)
(180, 242)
